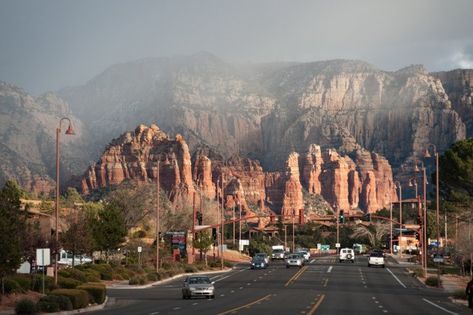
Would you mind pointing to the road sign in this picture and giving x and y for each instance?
(140, 249)
(324, 247)
(337, 245)
(43, 256)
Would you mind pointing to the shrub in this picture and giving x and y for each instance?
(152, 276)
(419, 272)
(48, 304)
(11, 286)
(214, 264)
(136, 280)
(64, 302)
(68, 283)
(228, 264)
(24, 281)
(190, 269)
(97, 291)
(25, 306)
(459, 294)
(74, 273)
(79, 298)
(37, 284)
(432, 281)
(92, 275)
(106, 271)
(136, 269)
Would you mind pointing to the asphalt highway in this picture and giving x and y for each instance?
(323, 286)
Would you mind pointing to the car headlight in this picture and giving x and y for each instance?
(212, 288)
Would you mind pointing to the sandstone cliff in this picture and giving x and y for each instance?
(135, 156)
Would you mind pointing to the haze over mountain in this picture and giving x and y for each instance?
(261, 111)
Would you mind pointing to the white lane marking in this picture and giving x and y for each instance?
(232, 291)
(222, 294)
(329, 269)
(176, 308)
(439, 307)
(220, 277)
(241, 288)
(154, 313)
(195, 303)
(312, 261)
(396, 278)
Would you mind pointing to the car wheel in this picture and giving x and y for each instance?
(384, 266)
(369, 265)
(287, 267)
(339, 260)
(213, 296)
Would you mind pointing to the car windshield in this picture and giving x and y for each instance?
(261, 255)
(377, 254)
(199, 280)
(294, 257)
(278, 251)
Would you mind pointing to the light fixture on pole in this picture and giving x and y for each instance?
(391, 220)
(69, 131)
(413, 183)
(398, 185)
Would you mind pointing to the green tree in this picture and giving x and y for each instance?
(203, 242)
(109, 228)
(72, 197)
(78, 239)
(12, 225)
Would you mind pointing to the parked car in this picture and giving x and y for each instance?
(294, 260)
(376, 259)
(258, 262)
(198, 286)
(263, 256)
(347, 254)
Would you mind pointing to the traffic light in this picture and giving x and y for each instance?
(341, 217)
(214, 234)
(416, 235)
(199, 217)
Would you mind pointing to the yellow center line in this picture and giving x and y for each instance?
(296, 276)
(233, 310)
(316, 305)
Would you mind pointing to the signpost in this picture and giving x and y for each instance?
(140, 249)
(43, 258)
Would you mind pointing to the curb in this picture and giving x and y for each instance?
(149, 285)
(458, 301)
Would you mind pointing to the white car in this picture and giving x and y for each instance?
(295, 260)
(304, 254)
(376, 259)
(347, 254)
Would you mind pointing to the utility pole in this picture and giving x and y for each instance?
(391, 223)
(239, 227)
(193, 224)
(157, 218)
(293, 233)
(222, 222)
(285, 237)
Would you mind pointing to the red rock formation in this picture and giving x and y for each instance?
(203, 176)
(312, 168)
(135, 156)
(292, 198)
(335, 180)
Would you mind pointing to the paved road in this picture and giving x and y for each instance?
(321, 287)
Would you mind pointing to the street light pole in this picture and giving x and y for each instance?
(239, 227)
(69, 131)
(391, 221)
(293, 234)
(398, 184)
(157, 218)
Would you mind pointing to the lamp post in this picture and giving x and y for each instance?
(398, 185)
(293, 234)
(413, 183)
(239, 227)
(391, 221)
(157, 218)
(437, 210)
(69, 131)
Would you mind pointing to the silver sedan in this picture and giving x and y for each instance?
(198, 286)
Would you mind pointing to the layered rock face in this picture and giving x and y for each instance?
(135, 156)
(458, 85)
(27, 139)
(350, 105)
(365, 183)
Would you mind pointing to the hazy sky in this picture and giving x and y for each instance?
(46, 45)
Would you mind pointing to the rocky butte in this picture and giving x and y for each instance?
(364, 182)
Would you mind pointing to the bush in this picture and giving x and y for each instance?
(24, 281)
(11, 286)
(190, 269)
(97, 291)
(136, 280)
(48, 304)
(63, 301)
(79, 298)
(25, 306)
(106, 271)
(460, 294)
(136, 269)
(228, 264)
(68, 283)
(152, 276)
(92, 275)
(432, 281)
(37, 284)
(74, 273)
(419, 272)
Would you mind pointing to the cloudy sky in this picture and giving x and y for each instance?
(47, 45)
